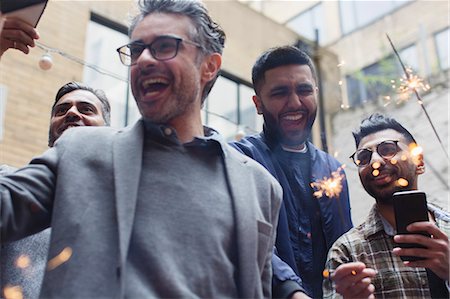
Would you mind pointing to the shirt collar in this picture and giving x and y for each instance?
(375, 223)
(168, 135)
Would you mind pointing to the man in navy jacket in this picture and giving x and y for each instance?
(310, 221)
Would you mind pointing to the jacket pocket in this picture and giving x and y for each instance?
(264, 241)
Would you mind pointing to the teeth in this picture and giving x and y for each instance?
(151, 81)
(292, 117)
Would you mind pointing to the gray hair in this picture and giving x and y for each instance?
(208, 33)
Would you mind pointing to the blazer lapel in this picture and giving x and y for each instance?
(245, 225)
(127, 155)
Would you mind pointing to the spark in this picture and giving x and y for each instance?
(375, 172)
(326, 273)
(60, 259)
(409, 84)
(331, 187)
(413, 83)
(23, 261)
(341, 64)
(13, 292)
(376, 165)
(402, 182)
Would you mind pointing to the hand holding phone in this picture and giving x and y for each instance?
(410, 207)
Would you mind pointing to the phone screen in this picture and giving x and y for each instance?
(409, 207)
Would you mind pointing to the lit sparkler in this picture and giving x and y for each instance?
(331, 186)
(411, 84)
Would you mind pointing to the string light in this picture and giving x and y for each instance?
(46, 62)
(79, 61)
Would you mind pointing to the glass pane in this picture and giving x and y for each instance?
(348, 21)
(353, 91)
(222, 107)
(303, 25)
(442, 48)
(367, 11)
(318, 23)
(101, 42)
(410, 58)
(251, 122)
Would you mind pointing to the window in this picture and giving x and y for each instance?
(229, 107)
(356, 14)
(308, 21)
(374, 81)
(103, 38)
(442, 41)
(410, 58)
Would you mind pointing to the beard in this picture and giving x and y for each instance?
(275, 133)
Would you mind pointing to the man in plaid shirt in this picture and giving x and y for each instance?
(365, 262)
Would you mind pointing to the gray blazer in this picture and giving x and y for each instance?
(86, 186)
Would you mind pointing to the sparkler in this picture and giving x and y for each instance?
(331, 186)
(410, 85)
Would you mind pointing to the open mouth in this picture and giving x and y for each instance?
(154, 86)
(293, 118)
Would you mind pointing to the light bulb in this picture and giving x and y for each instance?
(46, 62)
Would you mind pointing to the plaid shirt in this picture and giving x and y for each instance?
(372, 243)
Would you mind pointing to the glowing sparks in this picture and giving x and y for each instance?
(412, 84)
(416, 152)
(402, 182)
(326, 273)
(375, 172)
(60, 259)
(376, 165)
(409, 84)
(23, 261)
(353, 272)
(331, 187)
(13, 292)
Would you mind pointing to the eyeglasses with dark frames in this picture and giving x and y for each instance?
(386, 149)
(163, 48)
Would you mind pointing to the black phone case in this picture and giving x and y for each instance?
(409, 207)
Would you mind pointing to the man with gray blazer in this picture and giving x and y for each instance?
(161, 209)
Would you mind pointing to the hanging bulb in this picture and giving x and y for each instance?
(46, 62)
(239, 135)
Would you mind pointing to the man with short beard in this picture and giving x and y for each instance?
(365, 262)
(286, 90)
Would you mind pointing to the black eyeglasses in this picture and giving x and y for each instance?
(386, 149)
(162, 48)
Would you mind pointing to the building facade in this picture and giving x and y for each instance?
(82, 38)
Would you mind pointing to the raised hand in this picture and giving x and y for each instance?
(17, 34)
(436, 251)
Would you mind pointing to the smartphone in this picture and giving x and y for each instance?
(29, 11)
(409, 207)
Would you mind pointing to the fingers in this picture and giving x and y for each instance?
(429, 228)
(354, 280)
(17, 34)
(436, 252)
